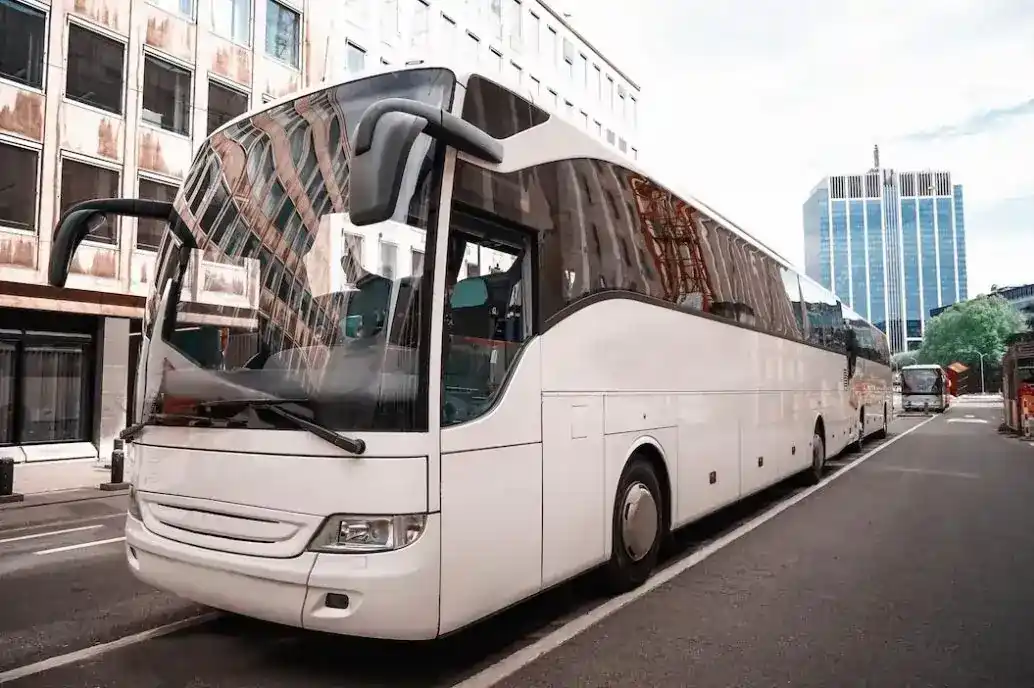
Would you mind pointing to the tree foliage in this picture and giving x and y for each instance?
(904, 358)
(971, 328)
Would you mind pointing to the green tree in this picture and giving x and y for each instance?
(970, 328)
(904, 358)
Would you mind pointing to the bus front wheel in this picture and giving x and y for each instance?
(637, 528)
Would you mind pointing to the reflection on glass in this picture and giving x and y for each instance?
(280, 301)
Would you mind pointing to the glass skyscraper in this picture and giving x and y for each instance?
(891, 245)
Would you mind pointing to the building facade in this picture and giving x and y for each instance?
(106, 98)
(890, 244)
(1021, 297)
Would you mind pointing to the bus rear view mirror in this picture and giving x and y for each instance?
(384, 138)
(76, 222)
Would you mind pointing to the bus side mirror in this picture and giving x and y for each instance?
(384, 138)
(76, 222)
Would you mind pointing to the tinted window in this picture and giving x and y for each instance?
(22, 31)
(497, 111)
(81, 182)
(18, 187)
(95, 69)
(149, 231)
(792, 286)
(166, 96)
(604, 228)
(825, 319)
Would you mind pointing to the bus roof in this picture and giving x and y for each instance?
(922, 366)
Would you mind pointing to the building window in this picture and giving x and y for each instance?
(569, 110)
(18, 171)
(535, 87)
(183, 7)
(96, 67)
(514, 12)
(473, 48)
(44, 384)
(551, 44)
(224, 104)
(585, 121)
(622, 146)
(283, 32)
(167, 96)
(609, 95)
(514, 74)
(554, 100)
(418, 36)
(633, 111)
(81, 182)
(357, 12)
(599, 129)
(497, 61)
(355, 57)
(389, 259)
(610, 137)
(23, 32)
(597, 84)
(389, 19)
(635, 154)
(232, 19)
(149, 231)
(534, 32)
(416, 263)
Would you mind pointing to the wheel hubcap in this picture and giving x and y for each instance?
(639, 521)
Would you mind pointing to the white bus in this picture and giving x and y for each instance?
(375, 446)
(925, 387)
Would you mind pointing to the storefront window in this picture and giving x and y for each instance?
(45, 380)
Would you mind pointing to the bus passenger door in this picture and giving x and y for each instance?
(491, 438)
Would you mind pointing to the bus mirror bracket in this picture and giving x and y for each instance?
(74, 225)
(383, 139)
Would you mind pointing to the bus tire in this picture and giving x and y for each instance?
(638, 528)
(856, 445)
(882, 432)
(813, 474)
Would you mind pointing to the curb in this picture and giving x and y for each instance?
(64, 497)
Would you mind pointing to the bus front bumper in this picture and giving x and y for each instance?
(390, 595)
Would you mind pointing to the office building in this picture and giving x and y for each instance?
(112, 97)
(1021, 298)
(892, 245)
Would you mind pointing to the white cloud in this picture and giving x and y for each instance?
(746, 104)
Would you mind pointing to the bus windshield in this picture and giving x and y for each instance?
(284, 300)
(920, 381)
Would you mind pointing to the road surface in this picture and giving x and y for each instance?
(910, 566)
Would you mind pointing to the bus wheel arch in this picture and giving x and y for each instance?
(641, 518)
(813, 473)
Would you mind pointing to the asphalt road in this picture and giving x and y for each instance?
(909, 569)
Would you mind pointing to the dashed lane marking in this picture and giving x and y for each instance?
(81, 545)
(96, 650)
(48, 533)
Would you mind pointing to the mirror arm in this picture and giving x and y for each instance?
(442, 125)
(73, 226)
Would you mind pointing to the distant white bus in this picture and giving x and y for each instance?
(348, 422)
(924, 387)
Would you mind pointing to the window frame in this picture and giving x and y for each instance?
(228, 85)
(108, 166)
(37, 149)
(151, 177)
(192, 16)
(88, 27)
(299, 38)
(159, 57)
(250, 42)
(45, 10)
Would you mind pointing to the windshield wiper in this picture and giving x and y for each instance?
(349, 444)
(174, 419)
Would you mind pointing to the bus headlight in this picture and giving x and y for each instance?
(364, 534)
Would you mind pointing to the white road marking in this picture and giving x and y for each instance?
(525, 656)
(82, 545)
(49, 533)
(925, 471)
(96, 650)
(967, 419)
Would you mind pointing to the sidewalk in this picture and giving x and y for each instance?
(57, 482)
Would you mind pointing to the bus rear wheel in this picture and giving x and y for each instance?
(813, 474)
(882, 432)
(637, 528)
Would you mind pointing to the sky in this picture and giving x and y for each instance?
(747, 104)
